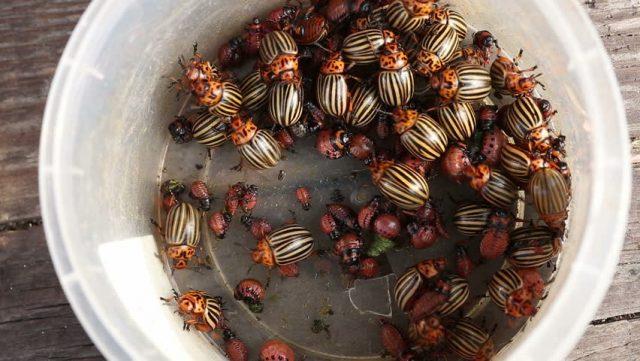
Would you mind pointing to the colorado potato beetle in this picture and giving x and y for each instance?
(472, 219)
(469, 341)
(508, 79)
(363, 106)
(406, 288)
(277, 43)
(420, 134)
(254, 91)
(463, 83)
(402, 185)
(522, 117)
(285, 102)
(310, 29)
(204, 312)
(409, 15)
(532, 246)
(222, 98)
(395, 78)
(458, 120)
(256, 146)
(457, 295)
(331, 86)
(508, 292)
(365, 47)
(234, 347)
(182, 234)
(208, 130)
(437, 48)
(550, 193)
(451, 18)
(494, 187)
(286, 245)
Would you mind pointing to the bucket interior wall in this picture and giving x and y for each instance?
(114, 142)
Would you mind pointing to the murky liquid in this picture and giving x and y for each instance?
(321, 294)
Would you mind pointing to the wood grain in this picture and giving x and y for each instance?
(35, 319)
(33, 35)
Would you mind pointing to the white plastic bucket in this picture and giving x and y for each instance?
(105, 128)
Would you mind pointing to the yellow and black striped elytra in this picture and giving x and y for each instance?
(332, 94)
(499, 191)
(276, 43)
(254, 91)
(502, 284)
(406, 287)
(182, 226)
(262, 151)
(363, 106)
(401, 19)
(531, 246)
(364, 47)
(471, 219)
(521, 117)
(425, 139)
(550, 193)
(516, 161)
(230, 102)
(474, 83)
(213, 311)
(396, 87)
(458, 120)
(208, 129)
(469, 341)
(285, 103)
(290, 244)
(453, 19)
(403, 186)
(458, 295)
(437, 48)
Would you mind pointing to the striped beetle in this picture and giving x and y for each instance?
(494, 187)
(363, 106)
(202, 311)
(469, 341)
(277, 43)
(284, 246)
(532, 246)
(409, 15)
(254, 91)
(517, 162)
(458, 120)
(285, 102)
(208, 130)
(508, 79)
(458, 294)
(221, 97)
(472, 219)
(420, 134)
(451, 18)
(364, 47)
(332, 93)
(256, 146)
(410, 284)
(395, 78)
(507, 290)
(550, 192)
(462, 83)
(182, 234)
(522, 117)
(402, 185)
(436, 49)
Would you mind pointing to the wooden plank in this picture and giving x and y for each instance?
(612, 341)
(618, 25)
(33, 36)
(36, 321)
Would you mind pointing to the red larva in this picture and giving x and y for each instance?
(219, 223)
(464, 264)
(260, 228)
(387, 225)
(276, 350)
(249, 198)
(492, 142)
(392, 339)
(254, 33)
(304, 197)
(326, 145)
(367, 213)
(426, 305)
(455, 163)
(343, 215)
(361, 147)
(229, 53)
(251, 292)
(284, 138)
(290, 270)
(422, 236)
(169, 201)
(199, 190)
(532, 281)
(496, 239)
(328, 226)
(383, 128)
(232, 198)
(369, 268)
(236, 349)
